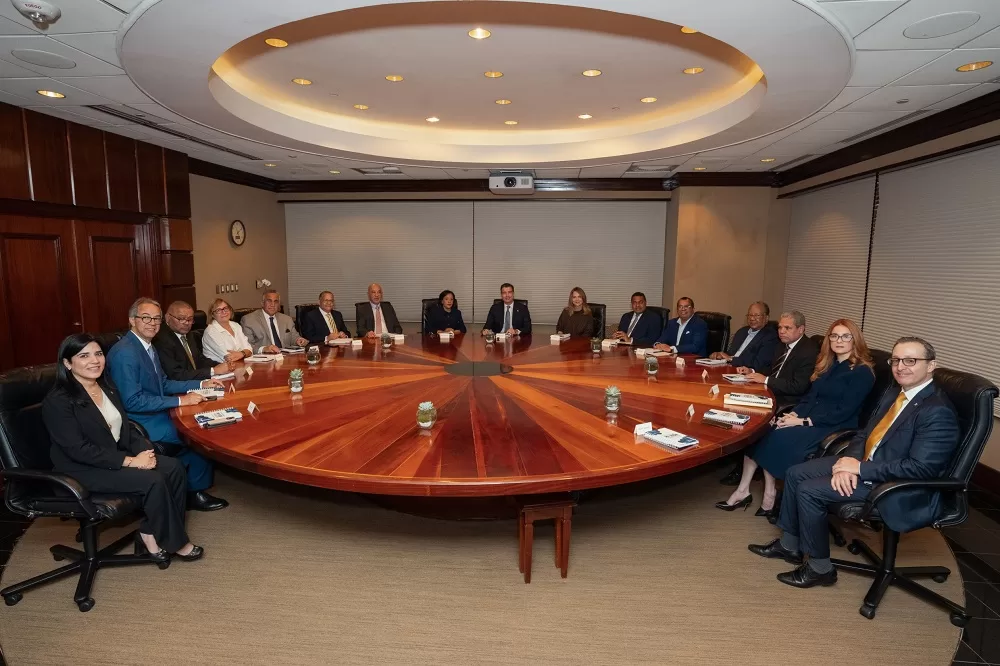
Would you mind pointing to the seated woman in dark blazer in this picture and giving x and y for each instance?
(93, 442)
(841, 380)
(445, 317)
(577, 318)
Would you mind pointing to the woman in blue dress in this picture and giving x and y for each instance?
(841, 380)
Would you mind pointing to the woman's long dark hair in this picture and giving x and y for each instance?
(454, 306)
(70, 347)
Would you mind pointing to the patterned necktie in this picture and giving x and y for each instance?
(379, 326)
(187, 350)
(781, 361)
(883, 426)
(274, 332)
(330, 323)
(506, 318)
(631, 327)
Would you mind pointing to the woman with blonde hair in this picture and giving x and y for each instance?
(576, 318)
(841, 380)
(224, 340)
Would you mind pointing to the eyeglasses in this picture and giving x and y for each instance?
(846, 337)
(908, 362)
(147, 319)
(224, 308)
(185, 320)
(756, 316)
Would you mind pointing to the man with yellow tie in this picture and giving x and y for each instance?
(324, 323)
(912, 435)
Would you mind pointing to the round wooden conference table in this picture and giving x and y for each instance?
(518, 417)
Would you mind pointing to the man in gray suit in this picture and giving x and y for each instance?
(269, 330)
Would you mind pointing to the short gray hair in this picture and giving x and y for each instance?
(142, 300)
(762, 304)
(795, 316)
(270, 290)
(928, 347)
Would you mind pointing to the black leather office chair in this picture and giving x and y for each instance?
(663, 312)
(300, 314)
(32, 489)
(425, 305)
(522, 301)
(718, 330)
(600, 312)
(973, 398)
(818, 339)
(108, 340)
(239, 313)
(200, 320)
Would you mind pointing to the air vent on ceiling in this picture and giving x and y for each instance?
(647, 168)
(380, 171)
(797, 160)
(147, 121)
(884, 126)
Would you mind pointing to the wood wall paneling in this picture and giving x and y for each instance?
(39, 290)
(90, 174)
(109, 257)
(176, 268)
(176, 235)
(48, 158)
(175, 168)
(152, 187)
(123, 183)
(186, 294)
(13, 158)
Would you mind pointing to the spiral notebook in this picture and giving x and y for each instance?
(748, 400)
(218, 417)
(732, 418)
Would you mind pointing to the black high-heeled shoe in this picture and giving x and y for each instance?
(742, 504)
(195, 554)
(160, 557)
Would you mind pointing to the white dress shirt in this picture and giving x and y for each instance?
(910, 394)
(636, 316)
(111, 415)
(681, 325)
(751, 334)
(217, 341)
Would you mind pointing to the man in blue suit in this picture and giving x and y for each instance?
(639, 327)
(686, 333)
(912, 435)
(148, 396)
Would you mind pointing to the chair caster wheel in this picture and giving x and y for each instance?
(959, 619)
(940, 579)
(12, 599)
(163, 565)
(85, 605)
(853, 549)
(867, 611)
(58, 558)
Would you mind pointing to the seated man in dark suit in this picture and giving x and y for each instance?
(754, 345)
(639, 327)
(507, 316)
(149, 396)
(686, 333)
(378, 317)
(912, 435)
(789, 373)
(324, 324)
(180, 352)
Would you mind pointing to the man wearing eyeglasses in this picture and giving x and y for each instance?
(754, 345)
(149, 395)
(912, 435)
(180, 352)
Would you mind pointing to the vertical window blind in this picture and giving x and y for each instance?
(828, 254)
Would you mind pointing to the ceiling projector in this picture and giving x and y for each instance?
(38, 11)
(512, 183)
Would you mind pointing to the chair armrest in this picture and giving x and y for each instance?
(884, 489)
(138, 427)
(52, 478)
(783, 409)
(835, 443)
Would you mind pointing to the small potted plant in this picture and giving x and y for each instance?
(386, 340)
(426, 414)
(612, 398)
(652, 365)
(295, 380)
(595, 345)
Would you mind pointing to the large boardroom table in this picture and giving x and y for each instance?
(518, 417)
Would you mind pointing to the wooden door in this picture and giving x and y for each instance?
(39, 294)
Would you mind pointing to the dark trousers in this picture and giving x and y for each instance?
(805, 501)
(199, 470)
(163, 490)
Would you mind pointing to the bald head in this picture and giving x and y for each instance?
(375, 292)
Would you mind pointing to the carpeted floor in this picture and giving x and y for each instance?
(659, 577)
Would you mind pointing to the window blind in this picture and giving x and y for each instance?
(935, 268)
(828, 254)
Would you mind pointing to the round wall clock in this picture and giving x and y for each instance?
(237, 232)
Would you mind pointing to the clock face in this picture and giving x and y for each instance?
(237, 232)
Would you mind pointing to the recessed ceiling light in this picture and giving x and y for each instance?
(502, 102)
(361, 107)
(433, 119)
(768, 159)
(688, 31)
(694, 70)
(647, 100)
(510, 122)
(270, 164)
(973, 66)
(592, 72)
(50, 93)
(493, 75)
(334, 172)
(395, 78)
(479, 33)
(700, 168)
(302, 82)
(585, 116)
(276, 43)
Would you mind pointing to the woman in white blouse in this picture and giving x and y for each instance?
(224, 340)
(92, 441)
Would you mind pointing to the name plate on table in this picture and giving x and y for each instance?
(609, 343)
(556, 338)
(444, 337)
(398, 338)
(500, 336)
(357, 344)
(340, 342)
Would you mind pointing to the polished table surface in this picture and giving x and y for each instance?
(518, 417)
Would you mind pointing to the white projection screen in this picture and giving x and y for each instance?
(415, 249)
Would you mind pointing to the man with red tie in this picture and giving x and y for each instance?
(377, 317)
(912, 435)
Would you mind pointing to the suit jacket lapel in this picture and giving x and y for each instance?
(909, 411)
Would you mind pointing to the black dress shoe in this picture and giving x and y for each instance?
(805, 576)
(733, 478)
(777, 551)
(195, 554)
(159, 557)
(742, 504)
(202, 501)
